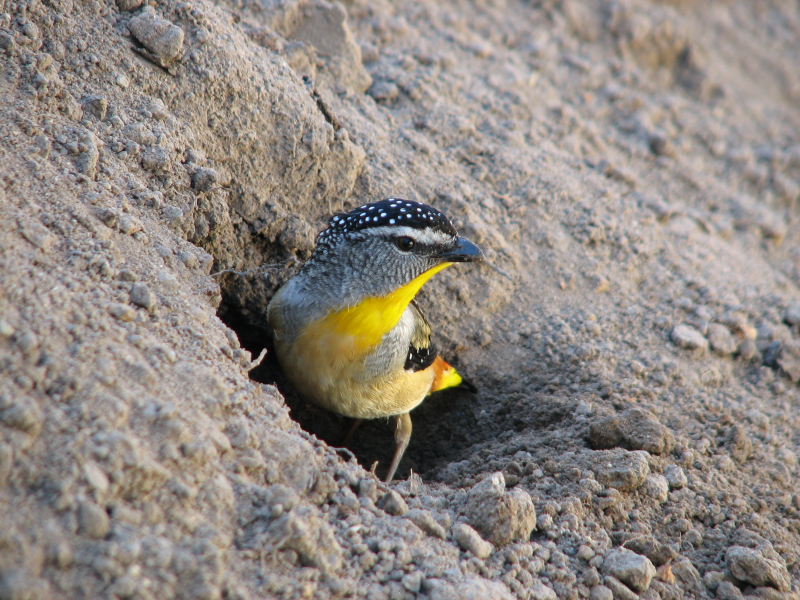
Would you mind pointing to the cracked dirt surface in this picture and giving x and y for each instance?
(631, 170)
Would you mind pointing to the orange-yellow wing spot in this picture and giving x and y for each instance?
(445, 376)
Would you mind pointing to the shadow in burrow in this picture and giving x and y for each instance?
(448, 425)
(445, 424)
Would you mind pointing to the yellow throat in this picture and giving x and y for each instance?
(367, 322)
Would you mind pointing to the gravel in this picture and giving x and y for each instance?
(631, 172)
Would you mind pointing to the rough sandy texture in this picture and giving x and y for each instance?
(632, 171)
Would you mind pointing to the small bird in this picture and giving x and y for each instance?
(347, 332)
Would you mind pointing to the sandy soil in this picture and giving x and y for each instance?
(631, 170)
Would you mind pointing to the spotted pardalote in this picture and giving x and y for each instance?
(346, 329)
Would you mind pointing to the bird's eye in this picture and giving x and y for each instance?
(405, 243)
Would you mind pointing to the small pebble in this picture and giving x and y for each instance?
(168, 281)
(792, 315)
(59, 554)
(660, 144)
(470, 541)
(619, 469)
(6, 462)
(158, 35)
(760, 566)
(204, 179)
(106, 216)
(392, 503)
(93, 521)
(600, 592)
(141, 295)
(633, 569)
(545, 522)
(412, 581)
(129, 5)
(6, 330)
(686, 336)
(96, 106)
(188, 259)
(748, 349)
(727, 591)
(369, 52)
(657, 487)
(126, 275)
(122, 312)
(156, 159)
(28, 343)
(634, 429)
(540, 591)
(96, 477)
(368, 488)
(425, 521)
(676, 477)
(129, 225)
(721, 340)
(619, 590)
(712, 579)
(25, 416)
(383, 91)
(500, 516)
(158, 109)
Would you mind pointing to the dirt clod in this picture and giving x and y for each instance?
(158, 35)
(471, 541)
(500, 516)
(688, 337)
(760, 566)
(631, 172)
(634, 429)
(141, 295)
(393, 504)
(633, 569)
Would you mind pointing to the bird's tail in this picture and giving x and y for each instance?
(446, 376)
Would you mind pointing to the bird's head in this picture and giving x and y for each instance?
(383, 246)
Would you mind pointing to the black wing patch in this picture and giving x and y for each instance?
(421, 351)
(419, 358)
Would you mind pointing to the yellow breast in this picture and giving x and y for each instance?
(362, 326)
(326, 361)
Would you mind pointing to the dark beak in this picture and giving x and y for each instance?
(464, 251)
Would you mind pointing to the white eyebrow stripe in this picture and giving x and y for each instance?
(421, 236)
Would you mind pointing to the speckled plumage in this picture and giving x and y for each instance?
(346, 331)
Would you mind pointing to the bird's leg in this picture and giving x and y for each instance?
(402, 434)
(350, 432)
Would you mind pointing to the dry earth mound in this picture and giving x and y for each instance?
(632, 171)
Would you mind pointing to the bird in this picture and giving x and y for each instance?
(346, 329)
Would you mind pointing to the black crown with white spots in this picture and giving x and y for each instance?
(387, 213)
